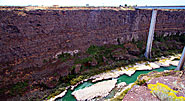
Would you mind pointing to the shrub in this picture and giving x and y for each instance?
(166, 74)
(64, 56)
(19, 88)
(140, 44)
(163, 92)
(76, 80)
(140, 82)
(83, 61)
(67, 79)
(93, 50)
(55, 93)
(45, 61)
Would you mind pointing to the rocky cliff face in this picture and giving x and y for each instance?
(29, 37)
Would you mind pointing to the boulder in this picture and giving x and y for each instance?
(121, 85)
(166, 84)
(140, 93)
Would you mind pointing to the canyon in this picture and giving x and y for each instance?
(30, 40)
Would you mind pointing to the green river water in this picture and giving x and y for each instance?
(122, 78)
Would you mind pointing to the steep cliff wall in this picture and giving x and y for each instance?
(29, 37)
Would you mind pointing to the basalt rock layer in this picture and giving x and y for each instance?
(29, 37)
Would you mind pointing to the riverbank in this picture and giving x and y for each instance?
(131, 69)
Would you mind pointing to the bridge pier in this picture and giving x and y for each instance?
(181, 62)
(151, 34)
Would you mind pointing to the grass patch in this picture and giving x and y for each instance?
(166, 74)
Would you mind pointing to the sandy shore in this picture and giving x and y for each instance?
(100, 89)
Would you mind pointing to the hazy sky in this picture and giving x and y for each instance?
(92, 2)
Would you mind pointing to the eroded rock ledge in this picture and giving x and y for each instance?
(157, 84)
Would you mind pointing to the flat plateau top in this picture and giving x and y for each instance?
(80, 8)
(62, 8)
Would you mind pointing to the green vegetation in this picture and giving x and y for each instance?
(55, 74)
(121, 96)
(103, 56)
(168, 45)
(179, 37)
(83, 61)
(56, 92)
(64, 56)
(94, 50)
(76, 80)
(156, 76)
(102, 50)
(2, 90)
(140, 44)
(98, 59)
(66, 79)
(140, 82)
(166, 74)
(163, 92)
(19, 88)
(45, 61)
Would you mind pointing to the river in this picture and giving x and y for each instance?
(122, 78)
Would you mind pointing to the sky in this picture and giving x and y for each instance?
(92, 2)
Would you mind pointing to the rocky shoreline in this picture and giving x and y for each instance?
(58, 96)
(123, 89)
(128, 70)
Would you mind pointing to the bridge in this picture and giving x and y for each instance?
(160, 7)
